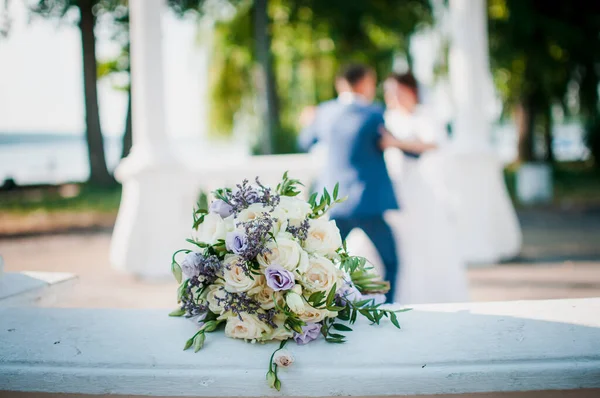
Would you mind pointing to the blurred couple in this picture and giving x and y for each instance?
(407, 216)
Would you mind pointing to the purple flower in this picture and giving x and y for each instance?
(348, 292)
(190, 266)
(252, 196)
(236, 242)
(279, 278)
(221, 207)
(309, 333)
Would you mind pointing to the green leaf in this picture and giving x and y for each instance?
(344, 316)
(337, 336)
(353, 316)
(394, 319)
(199, 341)
(177, 312)
(335, 191)
(331, 295)
(326, 196)
(278, 385)
(362, 303)
(316, 299)
(403, 310)
(335, 341)
(342, 328)
(176, 270)
(188, 343)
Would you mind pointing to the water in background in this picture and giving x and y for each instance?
(59, 158)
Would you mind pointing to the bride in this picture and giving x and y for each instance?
(431, 270)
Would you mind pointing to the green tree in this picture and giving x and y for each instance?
(89, 10)
(309, 40)
(540, 50)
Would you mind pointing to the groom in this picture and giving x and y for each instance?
(349, 126)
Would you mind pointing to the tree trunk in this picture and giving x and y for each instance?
(128, 135)
(547, 124)
(267, 76)
(525, 118)
(99, 174)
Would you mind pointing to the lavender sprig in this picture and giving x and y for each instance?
(299, 232)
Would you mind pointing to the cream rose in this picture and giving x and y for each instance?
(323, 238)
(247, 328)
(313, 315)
(284, 251)
(294, 208)
(320, 275)
(214, 292)
(212, 229)
(265, 295)
(236, 279)
(251, 212)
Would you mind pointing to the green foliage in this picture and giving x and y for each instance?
(540, 50)
(288, 187)
(310, 39)
(325, 202)
(85, 198)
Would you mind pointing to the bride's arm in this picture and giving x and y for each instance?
(417, 147)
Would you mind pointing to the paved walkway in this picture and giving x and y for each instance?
(560, 258)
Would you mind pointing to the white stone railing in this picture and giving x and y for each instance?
(441, 349)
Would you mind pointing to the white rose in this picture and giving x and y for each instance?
(214, 292)
(323, 238)
(294, 208)
(313, 315)
(280, 332)
(212, 229)
(284, 251)
(252, 212)
(320, 275)
(247, 328)
(236, 279)
(283, 358)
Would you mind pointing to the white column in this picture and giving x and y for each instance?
(155, 212)
(488, 227)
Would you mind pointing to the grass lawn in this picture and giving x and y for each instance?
(55, 208)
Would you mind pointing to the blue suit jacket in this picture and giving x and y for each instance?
(350, 132)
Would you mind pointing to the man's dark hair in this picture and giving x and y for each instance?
(354, 73)
(407, 80)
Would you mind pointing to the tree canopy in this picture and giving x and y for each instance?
(545, 53)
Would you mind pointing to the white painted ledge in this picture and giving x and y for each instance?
(442, 349)
(29, 288)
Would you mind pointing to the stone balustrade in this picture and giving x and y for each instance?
(502, 347)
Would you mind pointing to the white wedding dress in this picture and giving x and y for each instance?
(431, 269)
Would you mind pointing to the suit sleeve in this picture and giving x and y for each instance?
(375, 124)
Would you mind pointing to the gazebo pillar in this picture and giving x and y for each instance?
(154, 214)
(489, 230)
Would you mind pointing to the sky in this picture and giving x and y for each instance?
(41, 86)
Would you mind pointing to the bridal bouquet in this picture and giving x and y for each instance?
(271, 266)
